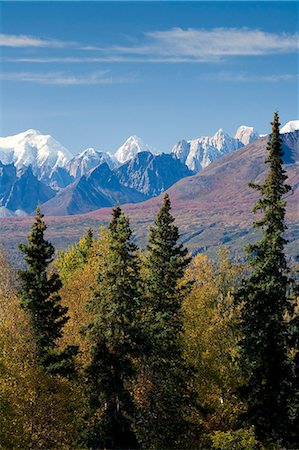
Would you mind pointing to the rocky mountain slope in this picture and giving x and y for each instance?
(97, 189)
(199, 153)
(22, 193)
(215, 206)
(152, 174)
(87, 160)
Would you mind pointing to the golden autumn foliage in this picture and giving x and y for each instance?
(37, 409)
(211, 337)
(241, 439)
(76, 291)
(43, 411)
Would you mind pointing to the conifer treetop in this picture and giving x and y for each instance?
(266, 302)
(39, 295)
(37, 243)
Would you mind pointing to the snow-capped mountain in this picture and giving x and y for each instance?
(34, 167)
(199, 153)
(87, 160)
(289, 127)
(31, 148)
(131, 148)
(246, 135)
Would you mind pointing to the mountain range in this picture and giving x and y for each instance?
(37, 169)
(99, 188)
(212, 207)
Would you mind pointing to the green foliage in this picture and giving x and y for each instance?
(266, 304)
(242, 439)
(39, 296)
(166, 399)
(114, 338)
(68, 261)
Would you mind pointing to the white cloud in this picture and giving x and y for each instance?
(175, 45)
(107, 59)
(220, 42)
(13, 40)
(246, 77)
(64, 79)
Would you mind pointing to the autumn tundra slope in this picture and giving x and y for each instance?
(212, 207)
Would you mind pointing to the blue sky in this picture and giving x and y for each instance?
(93, 73)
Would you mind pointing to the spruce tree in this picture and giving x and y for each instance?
(86, 245)
(266, 303)
(114, 340)
(162, 421)
(39, 296)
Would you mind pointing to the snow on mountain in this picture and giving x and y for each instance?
(31, 147)
(199, 153)
(87, 160)
(246, 135)
(130, 148)
(289, 127)
(5, 212)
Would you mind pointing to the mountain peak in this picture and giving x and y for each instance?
(134, 138)
(221, 133)
(31, 131)
(30, 147)
(89, 151)
(89, 158)
(130, 148)
(246, 134)
(292, 125)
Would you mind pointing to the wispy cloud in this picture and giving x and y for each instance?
(108, 59)
(20, 40)
(63, 79)
(244, 77)
(219, 42)
(201, 45)
(175, 45)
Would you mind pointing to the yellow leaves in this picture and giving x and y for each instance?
(76, 292)
(241, 439)
(211, 341)
(37, 410)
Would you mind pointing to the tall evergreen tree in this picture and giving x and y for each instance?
(113, 335)
(39, 296)
(86, 245)
(162, 422)
(266, 303)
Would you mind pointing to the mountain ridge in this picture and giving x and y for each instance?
(100, 187)
(144, 172)
(212, 207)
